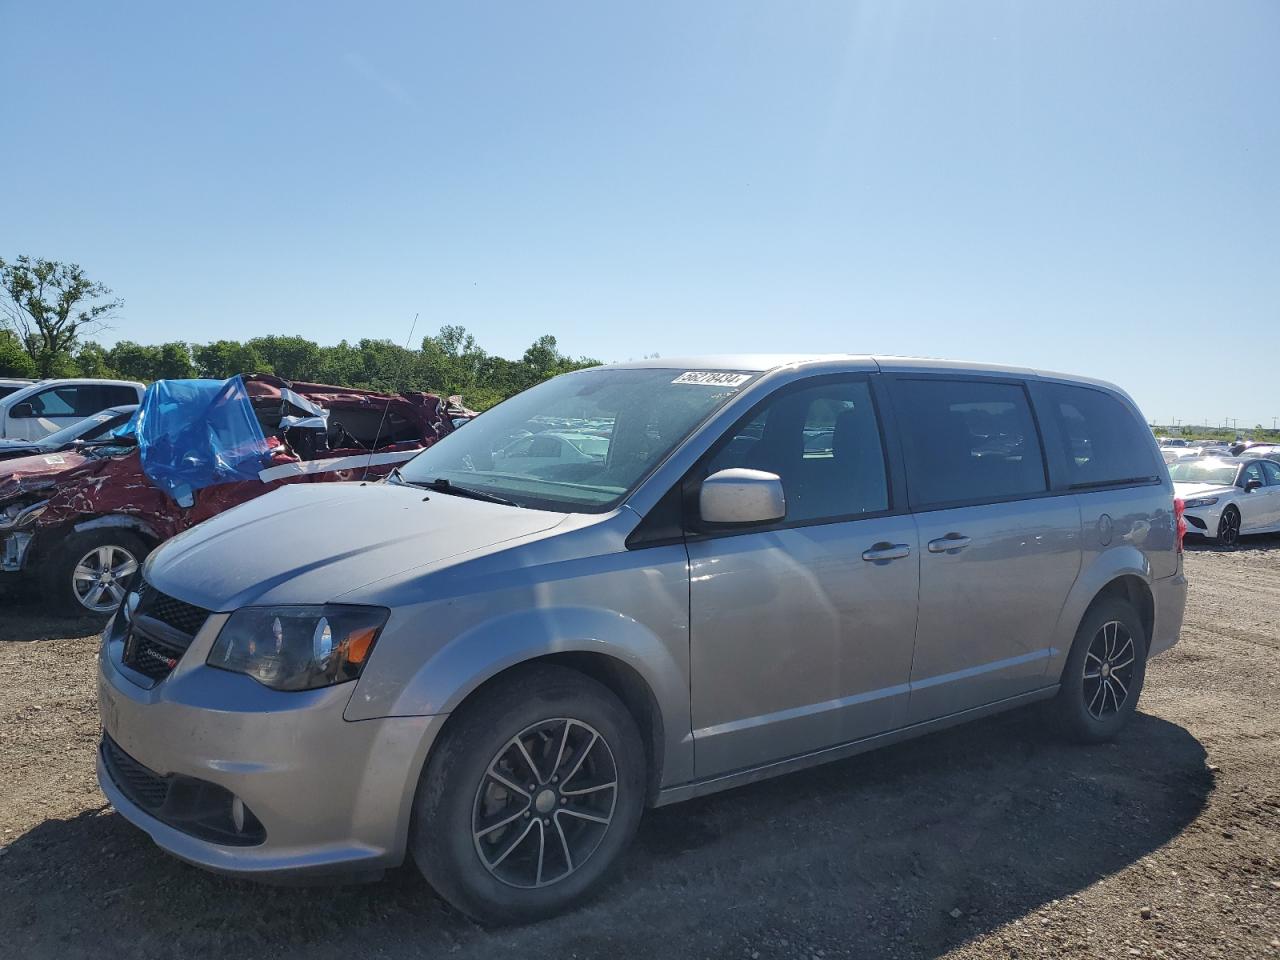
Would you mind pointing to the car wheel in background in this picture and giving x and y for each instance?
(1229, 527)
(529, 798)
(90, 572)
(1103, 676)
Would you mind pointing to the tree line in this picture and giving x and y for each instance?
(51, 310)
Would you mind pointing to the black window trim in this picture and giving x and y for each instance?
(954, 376)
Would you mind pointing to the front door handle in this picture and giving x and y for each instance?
(951, 543)
(887, 551)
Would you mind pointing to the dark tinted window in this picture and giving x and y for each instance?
(967, 440)
(823, 442)
(110, 396)
(1272, 471)
(1252, 472)
(1102, 441)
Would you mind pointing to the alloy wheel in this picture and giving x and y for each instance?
(1229, 527)
(1108, 670)
(101, 578)
(545, 803)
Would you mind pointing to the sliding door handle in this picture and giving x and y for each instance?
(951, 543)
(887, 551)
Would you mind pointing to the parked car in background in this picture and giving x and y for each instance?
(493, 667)
(39, 409)
(10, 385)
(1225, 498)
(551, 449)
(90, 428)
(1270, 451)
(79, 522)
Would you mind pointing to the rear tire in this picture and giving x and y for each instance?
(1104, 673)
(68, 573)
(498, 838)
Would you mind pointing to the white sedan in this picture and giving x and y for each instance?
(1225, 497)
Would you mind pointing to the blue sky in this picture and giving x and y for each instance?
(1092, 187)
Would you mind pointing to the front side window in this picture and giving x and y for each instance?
(1102, 441)
(1252, 472)
(58, 402)
(967, 441)
(580, 442)
(824, 444)
(1272, 470)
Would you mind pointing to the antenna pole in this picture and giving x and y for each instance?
(378, 436)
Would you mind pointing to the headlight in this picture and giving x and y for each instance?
(298, 648)
(1202, 502)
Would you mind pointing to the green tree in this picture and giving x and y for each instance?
(294, 358)
(49, 306)
(174, 361)
(226, 358)
(14, 361)
(93, 360)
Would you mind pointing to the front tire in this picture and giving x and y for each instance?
(88, 573)
(531, 795)
(1229, 528)
(1104, 673)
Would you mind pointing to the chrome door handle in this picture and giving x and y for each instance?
(951, 543)
(887, 551)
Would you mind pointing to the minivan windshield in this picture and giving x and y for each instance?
(1211, 471)
(580, 442)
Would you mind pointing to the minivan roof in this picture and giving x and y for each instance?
(763, 362)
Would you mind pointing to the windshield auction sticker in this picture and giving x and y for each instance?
(713, 378)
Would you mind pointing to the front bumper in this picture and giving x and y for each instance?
(1203, 521)
(332, 795)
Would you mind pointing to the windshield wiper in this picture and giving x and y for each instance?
(441, 485)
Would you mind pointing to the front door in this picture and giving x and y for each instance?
(801, 634)
(997, 557)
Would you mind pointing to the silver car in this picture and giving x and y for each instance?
(494, 671)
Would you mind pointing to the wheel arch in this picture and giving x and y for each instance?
(1122, 572)
(621, 679)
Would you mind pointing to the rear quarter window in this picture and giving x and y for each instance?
(1095, 439)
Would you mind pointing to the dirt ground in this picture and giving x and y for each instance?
(992, 840)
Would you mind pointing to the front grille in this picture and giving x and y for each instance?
(143, 786)
(182, 616)
(150, 655)
(160, 629)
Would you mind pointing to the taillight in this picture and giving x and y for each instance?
(1180, 521)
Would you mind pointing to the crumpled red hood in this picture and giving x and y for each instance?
(43, 471)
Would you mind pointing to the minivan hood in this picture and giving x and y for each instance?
(310, 543)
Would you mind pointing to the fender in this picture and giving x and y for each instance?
(119, 520)
(1119, 561)
(477, 655)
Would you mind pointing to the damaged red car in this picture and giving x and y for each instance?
(78, 524)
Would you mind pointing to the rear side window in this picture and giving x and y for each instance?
(114, 396)
(1101, 441)
(967, 441)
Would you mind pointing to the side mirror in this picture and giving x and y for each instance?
(1252, 485)
(22, 411)
(740, 497)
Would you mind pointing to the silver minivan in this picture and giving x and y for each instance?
(494, 663)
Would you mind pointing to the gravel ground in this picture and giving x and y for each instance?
(992, 840)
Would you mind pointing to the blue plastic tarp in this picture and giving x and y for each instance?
(193, 434)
